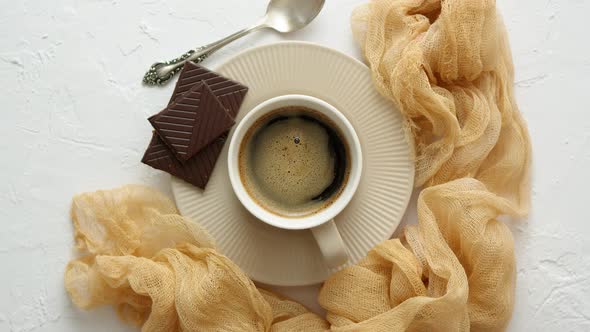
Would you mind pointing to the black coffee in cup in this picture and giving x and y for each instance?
(294, 161)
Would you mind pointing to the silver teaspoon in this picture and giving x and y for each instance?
(281, 15)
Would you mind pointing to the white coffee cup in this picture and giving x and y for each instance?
(320, 223)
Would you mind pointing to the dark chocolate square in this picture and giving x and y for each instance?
(230, 93)
(192, 121)
(196, 170)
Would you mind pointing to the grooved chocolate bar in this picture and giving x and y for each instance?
(230, 93)
(192, 121)
(196, 170)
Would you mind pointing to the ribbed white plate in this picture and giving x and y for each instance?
(288, 258)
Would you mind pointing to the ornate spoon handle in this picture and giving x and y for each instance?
(160, 72)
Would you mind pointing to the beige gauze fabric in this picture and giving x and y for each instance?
(447, 65)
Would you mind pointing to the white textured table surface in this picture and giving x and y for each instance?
(74, 119)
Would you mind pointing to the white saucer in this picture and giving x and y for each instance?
(289, 258)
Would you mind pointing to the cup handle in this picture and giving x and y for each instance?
(331, 244)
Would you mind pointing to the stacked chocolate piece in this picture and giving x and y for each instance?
(190, 133)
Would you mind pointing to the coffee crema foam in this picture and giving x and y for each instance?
(293, 163)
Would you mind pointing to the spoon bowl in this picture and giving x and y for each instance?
(291, 15)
